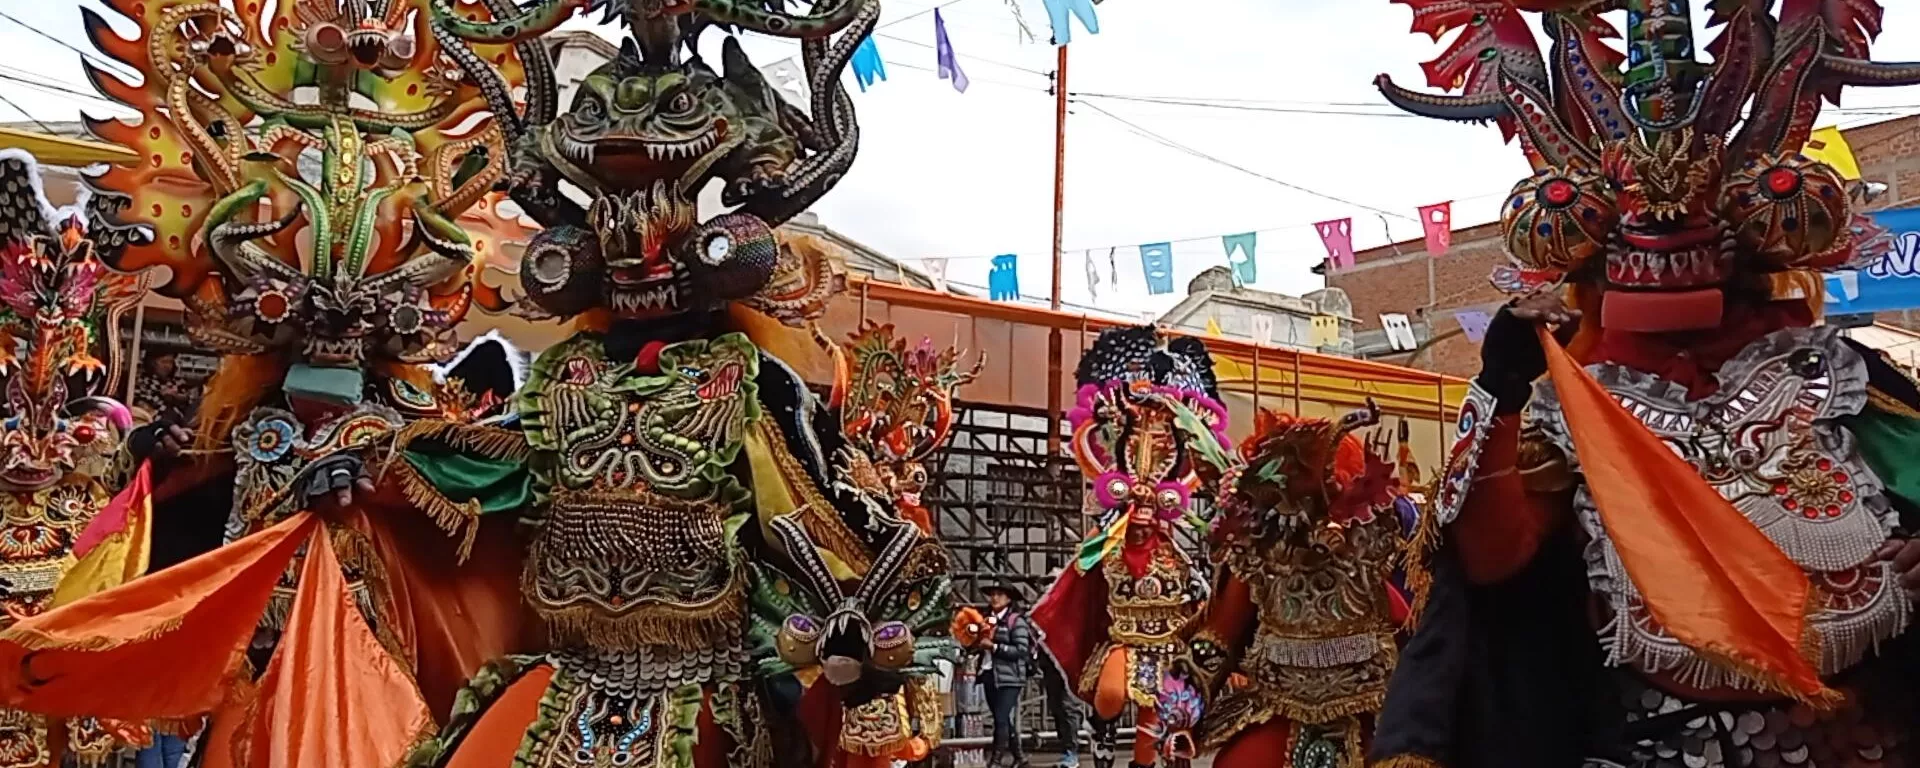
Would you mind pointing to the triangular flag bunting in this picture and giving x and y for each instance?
(1337, 236)
(1263, 329)
(1242, 247)
(1003, 282)
(866, 64)
(1326, 331)
(1213, 328)
(1156, 260)
(1437, 220)
(1093, 276)
(1058, 12)
(947, 64)
(937, 272)
(1473, 323)
(1829, 145)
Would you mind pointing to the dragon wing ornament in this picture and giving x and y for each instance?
(303, 166)
(896, 409)
(1653, 169)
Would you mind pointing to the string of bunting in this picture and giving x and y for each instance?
(1241, 253)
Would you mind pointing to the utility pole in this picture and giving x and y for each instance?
(1054, 347)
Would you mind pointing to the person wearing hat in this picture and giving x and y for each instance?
(1003, 670)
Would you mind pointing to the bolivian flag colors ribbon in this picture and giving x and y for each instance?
(114, 547)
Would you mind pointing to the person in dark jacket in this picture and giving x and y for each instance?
(1003, 671)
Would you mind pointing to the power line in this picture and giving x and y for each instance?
(1169, 102)
(969, 57)
(29, 115)
(110, 65)
(878, 27)
(1171, 144)
(970, 78)
(55, 88)
(1201, 238)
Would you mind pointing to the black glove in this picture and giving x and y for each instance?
(329, 476)
(1510, 359)
(147, 441)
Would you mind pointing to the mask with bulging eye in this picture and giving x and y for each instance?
(865, 641)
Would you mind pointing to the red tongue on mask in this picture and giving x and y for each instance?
(648, 361)
(1662, 311)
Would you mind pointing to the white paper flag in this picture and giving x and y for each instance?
(936, 270)
(1399, 332)
(1263, 329)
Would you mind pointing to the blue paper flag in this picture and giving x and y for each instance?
(1156, 259)
(866, 64)
(1003, 281)
(1057, 11)
(1241, 246)
(945, 62)
(1473, 323)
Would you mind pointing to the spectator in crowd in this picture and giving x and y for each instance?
(161, 391)
(1003, 672)
(1067, 710)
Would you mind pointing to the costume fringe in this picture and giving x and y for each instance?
(1320, 714)
(679, 626)
(461, 521)
(1406, 761)
(1888, 403)
(34, 640)
(1416, 562)
(491, 442)
(671, 626)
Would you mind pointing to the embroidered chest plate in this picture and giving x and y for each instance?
(1153, 610)
(1770, 442)
(37, 531)
(272, 447)
(639, 498)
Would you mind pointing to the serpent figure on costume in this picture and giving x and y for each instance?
(660, 460)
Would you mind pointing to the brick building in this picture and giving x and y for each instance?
(1401, 277)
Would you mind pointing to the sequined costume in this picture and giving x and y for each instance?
(60, 459)
(1300, 636)
(1147, 424)
(303, 164)
(659, 455)
(1666, 552)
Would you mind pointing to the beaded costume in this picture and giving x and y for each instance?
(1147, 424)
(60, 458)
(1300, 635)
(666, 469)
(1669, 556)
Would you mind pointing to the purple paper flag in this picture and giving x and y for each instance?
(1473, 323)
(943, 54)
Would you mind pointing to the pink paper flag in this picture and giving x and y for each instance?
(1337, 236)
(1437, 220)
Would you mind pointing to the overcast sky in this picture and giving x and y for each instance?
(968, 176)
